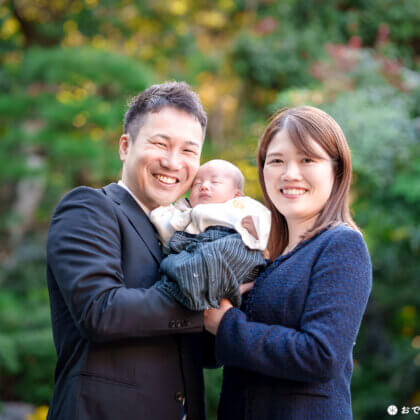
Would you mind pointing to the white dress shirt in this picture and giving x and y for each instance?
(142, 206)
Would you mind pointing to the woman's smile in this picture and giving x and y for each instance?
(293, 192)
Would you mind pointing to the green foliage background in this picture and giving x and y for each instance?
(67, 71)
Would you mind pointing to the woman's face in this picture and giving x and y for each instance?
(298, 185)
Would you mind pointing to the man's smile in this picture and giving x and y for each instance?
(165, 179)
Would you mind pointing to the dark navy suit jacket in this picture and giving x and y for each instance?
(288, 355)
(119, 356)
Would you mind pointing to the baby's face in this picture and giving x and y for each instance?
(213, 184)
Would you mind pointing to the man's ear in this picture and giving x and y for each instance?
(125, 143)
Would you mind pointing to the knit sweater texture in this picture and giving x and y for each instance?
(289, 353)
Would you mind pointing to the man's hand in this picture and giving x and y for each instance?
(248, 223)
(212, 317)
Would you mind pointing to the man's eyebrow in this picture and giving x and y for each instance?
(164, 136)
(192, 143)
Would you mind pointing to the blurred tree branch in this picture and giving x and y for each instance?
(30, 29)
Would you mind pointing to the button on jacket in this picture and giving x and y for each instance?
(125, 349)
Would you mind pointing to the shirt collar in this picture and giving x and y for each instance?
(142, 206)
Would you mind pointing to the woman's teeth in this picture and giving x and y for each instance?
(293, 191)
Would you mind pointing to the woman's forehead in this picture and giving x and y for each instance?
(283, 143)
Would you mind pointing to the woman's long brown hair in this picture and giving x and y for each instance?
(302, 124)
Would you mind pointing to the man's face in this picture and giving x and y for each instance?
(160, 165)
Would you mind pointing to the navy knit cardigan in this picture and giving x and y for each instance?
(288, 355)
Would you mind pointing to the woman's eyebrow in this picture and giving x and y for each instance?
(313, 154)
(274, 154)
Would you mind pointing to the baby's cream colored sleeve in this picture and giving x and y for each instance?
(161, 218)
(261, 216)
(230, 214)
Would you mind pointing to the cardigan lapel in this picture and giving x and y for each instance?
(137, 217)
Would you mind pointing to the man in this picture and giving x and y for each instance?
(125, 349)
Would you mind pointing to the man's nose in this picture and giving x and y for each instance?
(291, 172)
(172, 161)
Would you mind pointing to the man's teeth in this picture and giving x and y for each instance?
(166, 179)
(293, 191)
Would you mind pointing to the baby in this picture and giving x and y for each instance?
(220, 224)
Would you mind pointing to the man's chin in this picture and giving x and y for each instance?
(167, 200)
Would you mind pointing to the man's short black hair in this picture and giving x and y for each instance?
(168, 94)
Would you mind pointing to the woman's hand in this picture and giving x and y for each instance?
(212, 317)
(246, 287)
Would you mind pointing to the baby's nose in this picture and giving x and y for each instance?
(205, 185)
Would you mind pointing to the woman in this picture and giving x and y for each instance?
(288, 353)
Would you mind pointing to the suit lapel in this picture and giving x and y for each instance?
(137, 217)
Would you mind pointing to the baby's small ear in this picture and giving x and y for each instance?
(239, 193)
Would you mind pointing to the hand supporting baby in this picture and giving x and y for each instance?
(213, 317)
(248, 223)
